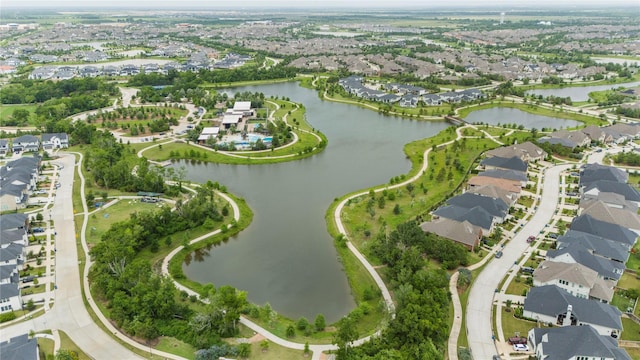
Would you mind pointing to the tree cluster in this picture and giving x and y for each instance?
(629, 158)
(145, 304)
(420, 328)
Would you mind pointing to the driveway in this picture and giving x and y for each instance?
(481, 296)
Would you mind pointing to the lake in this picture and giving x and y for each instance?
(286, 257)
(579, 93)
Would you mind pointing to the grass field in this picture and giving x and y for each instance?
(7, 110)
(629, 281)
(511, 325)
(45, 348)
(175, 346)
(101, 220)
(631, 330)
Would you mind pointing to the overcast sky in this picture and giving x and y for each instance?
(243, 4)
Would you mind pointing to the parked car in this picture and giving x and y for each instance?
(527, 269)
(37, 230)
(531, 239)
(498, 254)
(520, 347)
(553, 236)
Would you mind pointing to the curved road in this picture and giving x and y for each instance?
(481, 296)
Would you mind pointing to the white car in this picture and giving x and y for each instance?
(520, 347)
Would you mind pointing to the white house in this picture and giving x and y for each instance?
(55, 141)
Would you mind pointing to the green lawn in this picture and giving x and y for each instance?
(275, 352)
(631, 330)
(511, 325)
(634, 353)
(517, 288)
(45, 348)
(175, 346)
(7, 110)
(629, 281)
(101, 220)
(68, 344)
(621, 302)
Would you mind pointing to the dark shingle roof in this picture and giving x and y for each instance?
(476, 215)
(597, 172)
(604, 267)
(495, 207)
(19, 348)
(12, 221)
(608, 186)
(569, 342)
(513, 163)
(588, 224)
(598, 245)
(552, 301)
(505, 174)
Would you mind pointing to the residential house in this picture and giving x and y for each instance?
(9, 274)
(600, 211)
(610, 199)
(496, 207)
(630, 130)
(4, 147)
(476, 216)
(500, 163)
(14, 221)
(574, 343)
(527, 151)
(597, 134)
(513, 187)
(596, 172)
(552, 305)
(17, 179)
(588, 224)
(597, 245)
(12, 254)
(507, 174)
(463, 233)
(55, 141)
(20, 348)
(496, 192)
(606, 268)
(26, 143)
(593, 189)
(13, 236)
(576, 279)
(566, 138)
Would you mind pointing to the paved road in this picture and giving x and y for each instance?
(68, 313)
(479, 305)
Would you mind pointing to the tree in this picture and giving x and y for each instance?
(320, 322)
(39, 217)
(264, 345)
(30, 305)
(244, 350)
(347, 332)
(20, 117)
(64, 354)
(302, 324)
(291, 331)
